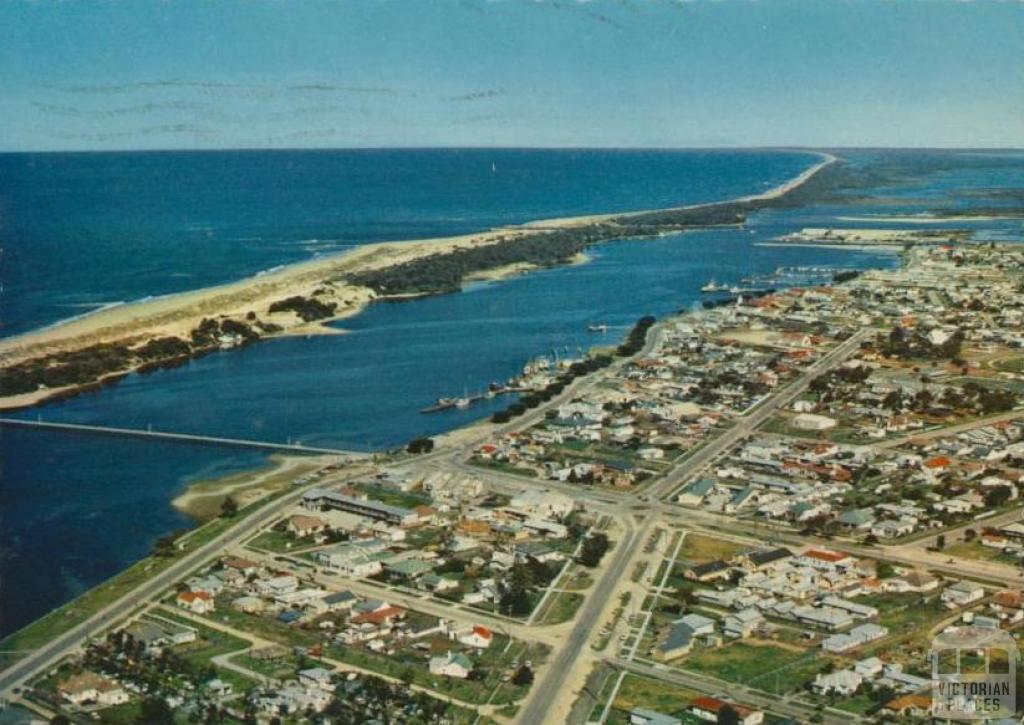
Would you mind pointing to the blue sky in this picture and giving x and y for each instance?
(184, 74)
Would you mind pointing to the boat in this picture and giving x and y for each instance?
(712, 286)
(462, 403)
(597, 328)
(441, 404)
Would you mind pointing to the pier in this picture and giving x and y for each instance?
(179, 437)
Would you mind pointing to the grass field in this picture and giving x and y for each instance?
(767, 667)
(665, 697)
(699, 549)
(504, 467)
(1010, 364)
(561, 607)
(975, 550)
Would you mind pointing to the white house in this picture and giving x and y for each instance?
(451, 665)
(477, 637)
(962, 593)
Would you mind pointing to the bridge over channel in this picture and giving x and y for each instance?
(179, 437)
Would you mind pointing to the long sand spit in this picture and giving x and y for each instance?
(178, 314)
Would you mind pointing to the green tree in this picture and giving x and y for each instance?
(523, 676)
(727, 715)
(594, 548)
(420, 445)
(155, 711)
(228, 508)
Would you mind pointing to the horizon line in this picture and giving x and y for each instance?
(729, 147)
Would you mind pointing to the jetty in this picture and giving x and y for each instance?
(179, 437)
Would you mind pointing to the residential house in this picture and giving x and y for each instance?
(962, 593)
(455, 665)
(90, 687)
(196, 602)
(707, 708)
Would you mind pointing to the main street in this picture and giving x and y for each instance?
(748, 423)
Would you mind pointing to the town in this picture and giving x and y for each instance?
(761, 511)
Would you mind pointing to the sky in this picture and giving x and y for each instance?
(532, 73)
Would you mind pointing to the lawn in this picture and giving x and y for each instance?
(1010, 364)
(664, 697)
(767, 667)
(700, 549)
(393, 497)
(497, 660)
(278, 542)
(975, 550)
(577, 580)
(561, 608)
(903, 612)
(503, 467)
(858, 704)
(209, 642)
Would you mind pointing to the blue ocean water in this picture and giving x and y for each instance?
(78, 508)
(84, 230)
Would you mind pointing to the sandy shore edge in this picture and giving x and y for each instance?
(177, 314)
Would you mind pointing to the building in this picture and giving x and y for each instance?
(706, 708)
(542, 504)
(742, 623)
(357, 558)
(317, 677)
(643, 716)
(962, 593)
(302, 526)
(89, 687)
(455, 665)
(856, 637)
(812, 422)
(335, 602)
(196, 602)
(323, 500)
(478, 637)
(682, 635)
(759, 559)
(841, 682)
(709, 571)
(917, 706)
(158, 633)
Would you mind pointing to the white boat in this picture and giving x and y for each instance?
(462, 403)
(712, 286)
(598, 328)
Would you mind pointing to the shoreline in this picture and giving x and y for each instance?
(323, 280)
(201, 499)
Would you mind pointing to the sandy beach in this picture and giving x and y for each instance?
(178, 314)
(202, 500)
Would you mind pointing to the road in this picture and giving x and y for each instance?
(547, 687)
(744, 695)
(950, 430)
(746, 425)
(439, 608)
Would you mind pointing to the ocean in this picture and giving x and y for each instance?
(99, 228)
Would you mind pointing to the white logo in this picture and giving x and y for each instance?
(973, 674)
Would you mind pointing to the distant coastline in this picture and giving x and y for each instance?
(99, 348)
